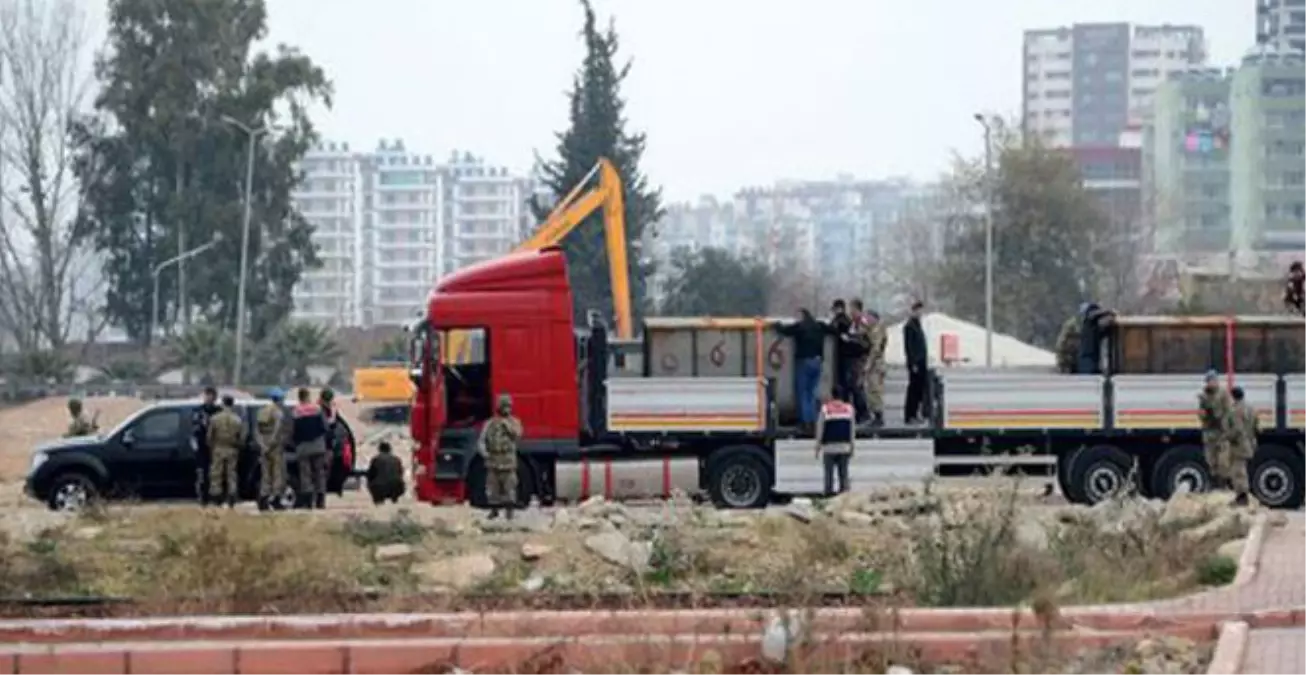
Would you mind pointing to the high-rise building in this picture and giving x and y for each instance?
(390, 222)
(328, 200)
(1087, 83)
(1186, 157)
(1281, 24)
(1267, 189)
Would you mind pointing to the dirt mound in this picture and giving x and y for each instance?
(23, 427)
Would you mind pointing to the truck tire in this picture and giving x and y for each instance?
(1275, 477)
(1100, 472)
(739, 478)
(1180, 465)
(1069, 489)
(476, 483)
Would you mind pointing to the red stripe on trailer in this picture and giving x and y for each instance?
(584, 478)
(666, 477)
(607, 479)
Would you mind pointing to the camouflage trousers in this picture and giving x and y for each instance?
(272, 472)
(222, 473)
(312, 473)
(501, 487)
(1227, 464)
(873, 380)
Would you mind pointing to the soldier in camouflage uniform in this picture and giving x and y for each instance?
(498, 446)
(79, 425)
(1067, 348)
(1217, 418)
(272, 432)
(873, 376)
(226, 438)
(1242, 445)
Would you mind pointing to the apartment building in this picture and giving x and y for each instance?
(1085, 84)
(1267, 185)
(1281, 24)
(390, 222)
(485, 213)
(328, 199)
(1186, 157)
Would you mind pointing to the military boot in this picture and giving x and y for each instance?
(263, 504)
(231, 502)
(877, 420)
(507, 513)
(494, 514)
(319, 502)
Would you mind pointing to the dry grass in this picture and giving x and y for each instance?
(971, 549)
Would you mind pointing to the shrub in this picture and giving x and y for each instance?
(1216, 570)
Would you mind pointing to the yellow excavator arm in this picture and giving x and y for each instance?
(583, 200)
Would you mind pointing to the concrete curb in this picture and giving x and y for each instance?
(1249, 563)
(547, 654)
(1230, 647)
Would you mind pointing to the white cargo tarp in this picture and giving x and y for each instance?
(1008, 352)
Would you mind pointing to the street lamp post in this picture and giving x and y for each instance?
(158, 269)
(988, 239)
(253, 133)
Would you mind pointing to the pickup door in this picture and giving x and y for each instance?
(143, 458)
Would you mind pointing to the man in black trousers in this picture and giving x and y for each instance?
(916, 350)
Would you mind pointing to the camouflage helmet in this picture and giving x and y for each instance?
(505, 401)
(74, 405)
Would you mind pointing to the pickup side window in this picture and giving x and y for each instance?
(159, 425)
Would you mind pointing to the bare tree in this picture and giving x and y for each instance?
(46, 274)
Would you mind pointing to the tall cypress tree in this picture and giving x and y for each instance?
(598, 129)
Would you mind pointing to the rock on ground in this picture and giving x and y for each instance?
(458, 572)
(618, 549)
(1232, 549)
(393, 552)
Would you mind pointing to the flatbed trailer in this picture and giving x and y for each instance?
(592, 429)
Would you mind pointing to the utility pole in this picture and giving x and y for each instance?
(158, 269)
(988, 239)
(253, 133)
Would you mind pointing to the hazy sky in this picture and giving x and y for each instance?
(730, 92)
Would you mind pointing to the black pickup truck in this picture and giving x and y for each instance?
(149, 457)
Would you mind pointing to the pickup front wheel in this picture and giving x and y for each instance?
(72, 491)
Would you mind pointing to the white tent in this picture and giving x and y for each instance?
(1008, 352)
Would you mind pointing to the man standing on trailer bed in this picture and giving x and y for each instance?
(809, 351)
(1243, 445)
(1218, 427)
(916, 350)
(498, 447)
(875, 367)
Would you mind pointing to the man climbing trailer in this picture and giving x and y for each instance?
(711, 409)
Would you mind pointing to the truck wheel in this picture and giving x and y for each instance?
(1100, 472)
(72, 491)
(1181, 465)
(1275, 477)
(1069, 488)
(740, 479)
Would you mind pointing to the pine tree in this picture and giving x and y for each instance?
(598, 129)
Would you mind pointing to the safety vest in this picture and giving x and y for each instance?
(837, 429)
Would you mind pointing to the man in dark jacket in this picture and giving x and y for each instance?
(385, 476)
(809, 351)
(916, 350)
(849, 351)
(199, 442)
(1095, 322)
(1293, 292)
(309, 430)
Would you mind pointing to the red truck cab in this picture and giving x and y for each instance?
(521, 306)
